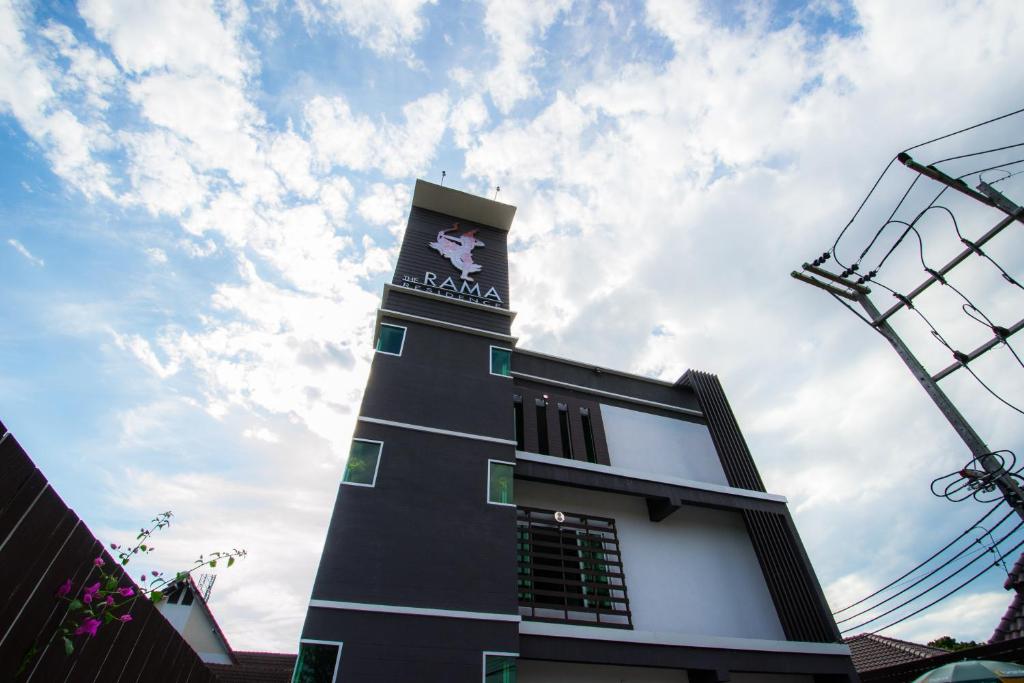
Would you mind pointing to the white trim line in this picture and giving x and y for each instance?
(444, 324)
(540, 628)
(609, 394)
(312, 641)
(591, 366)
(449, 299)
(376, 466)
(405, 331)
(646, 476)
(415, 611)
(434, 430)
(487, 496)
(490, 361)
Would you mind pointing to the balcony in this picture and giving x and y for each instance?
(570, 569)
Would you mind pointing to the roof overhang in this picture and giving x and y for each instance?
(463, 205)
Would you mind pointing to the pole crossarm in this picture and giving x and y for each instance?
(988, 195)
(983, 455)
(972, 248)
(845, 293)
(995, 341)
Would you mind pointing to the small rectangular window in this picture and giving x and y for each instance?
(363, 461)
(501, 361)
(391, 339)
(317, 662)
(588, 435)
(500, 476)
(563, 427)
(499, 667)
(517, 409)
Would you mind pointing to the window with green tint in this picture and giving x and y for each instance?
(391, 339)
(499, 669)
(316, 663)
(363, 459)
(499, 483)
(501, 362)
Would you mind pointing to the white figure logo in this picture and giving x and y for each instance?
(459, 250)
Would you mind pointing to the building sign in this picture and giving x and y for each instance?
(458, 249)
(447, 287)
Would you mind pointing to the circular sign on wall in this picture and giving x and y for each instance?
(559, 517)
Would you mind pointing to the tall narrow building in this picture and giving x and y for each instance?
(506, 515)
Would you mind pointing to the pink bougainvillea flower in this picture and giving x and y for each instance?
(87, 598)
(110, 600)
(126, 592)
(91, 590)
(125, 617)
(155, 573)
(64, 589)
(88, 627)
(98, 562)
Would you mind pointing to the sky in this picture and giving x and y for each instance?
(200, 203)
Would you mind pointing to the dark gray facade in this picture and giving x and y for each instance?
(421, 574)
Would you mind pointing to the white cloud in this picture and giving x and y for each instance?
(467, 117)
(192, 36)
(263, 434)
(387, 27)
(156, 255)
(87, 70)
(143, 351)
(386, 204)
(342, 138)
(514, 25)
(29, 91)
(23, 250)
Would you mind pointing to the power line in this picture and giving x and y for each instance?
(943, 597)
(940, 582)
(930, 558)
(930, 574)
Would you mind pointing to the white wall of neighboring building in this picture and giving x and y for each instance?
(661, 445)
(694, 573)
(533, 671)
(198, 630)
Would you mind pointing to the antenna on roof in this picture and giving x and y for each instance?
(497, 189)
(443, 174)
(205, 585)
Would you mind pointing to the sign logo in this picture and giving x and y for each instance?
(459, 250)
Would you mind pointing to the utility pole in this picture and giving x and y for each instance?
(840, 285)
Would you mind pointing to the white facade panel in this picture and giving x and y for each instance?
(695, 572)
(533, 671)
(662, 445)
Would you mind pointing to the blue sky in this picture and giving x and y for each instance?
(200, 202)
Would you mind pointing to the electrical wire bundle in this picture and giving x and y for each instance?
(979, 554)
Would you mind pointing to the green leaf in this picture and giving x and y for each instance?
(75, 605)
(108, 617)
(213, 563)
(69, 647)
(111, 584)
(156, 596)
(143, 547)
(231, 561)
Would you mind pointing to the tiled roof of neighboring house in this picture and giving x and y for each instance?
(256, 667)
(1012, 624)
(871, 651)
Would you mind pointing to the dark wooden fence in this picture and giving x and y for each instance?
(42, 544)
